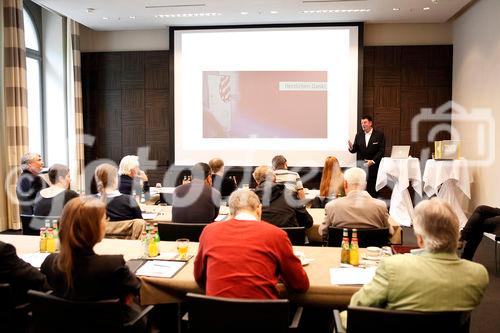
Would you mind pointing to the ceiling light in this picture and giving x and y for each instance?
(190, 15)
(395, 9)
(329, 11)
(132, 17)
(105, 18)
(273, 12)
(244, 13)
(426, 8)
(90, 10)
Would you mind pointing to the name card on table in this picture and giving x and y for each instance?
(351, 275)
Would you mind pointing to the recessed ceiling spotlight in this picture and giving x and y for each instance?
(395, 9)
(105, 18)
(435, 2)
(426, 8)
(273, 12)
(244, 13)
(329, 11)
(132, 17)
(90, 10)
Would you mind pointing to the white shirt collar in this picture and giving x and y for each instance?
(111, 194)
(245, 217)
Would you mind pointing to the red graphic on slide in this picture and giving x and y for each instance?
(265, 104)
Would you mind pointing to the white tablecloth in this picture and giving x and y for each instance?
(401, 172)
(449, 180)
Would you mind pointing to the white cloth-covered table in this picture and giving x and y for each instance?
(401, 172)
(449, 180)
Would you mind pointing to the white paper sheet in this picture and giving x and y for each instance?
(160, 268)
(351, 275)
(34, 259)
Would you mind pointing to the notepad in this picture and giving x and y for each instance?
(34, 259)
(160, 268)
(351, 275)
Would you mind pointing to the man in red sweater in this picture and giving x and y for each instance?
(245, 257)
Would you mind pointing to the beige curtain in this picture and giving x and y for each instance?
(14, 110)
(75, 113)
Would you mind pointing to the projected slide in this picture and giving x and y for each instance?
(265, 104)
(247, 94)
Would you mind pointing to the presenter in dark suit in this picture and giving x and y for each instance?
(370, 147)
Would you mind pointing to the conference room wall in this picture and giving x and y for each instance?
(375, 35)
(125, 98)
(476, 78)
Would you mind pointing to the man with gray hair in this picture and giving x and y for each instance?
(131, 176)
(245, 257)
(434, 279)
(29, 182)
(357, 209)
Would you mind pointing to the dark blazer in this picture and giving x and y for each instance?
(95, 277)
(123, 207)
(277, 211)
(224, 185)
(53, 206)
(28, 186)
(375, 149)
(126, 184)
(19, 274)
(195, 202)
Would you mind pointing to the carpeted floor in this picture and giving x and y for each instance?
(485, 318)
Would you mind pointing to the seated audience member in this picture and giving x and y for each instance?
(357, 209)
(19, 274)
(197, 201)
(245, 257)
(432, 280)
(29, 182)
(332, 183)
(50, 201)
(225, 185)
(289, 178)
(118, 206)
(131, 177)
(77, 272)
(484, 219)
(279, 205)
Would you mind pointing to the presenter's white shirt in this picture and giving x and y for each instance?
(368, 136)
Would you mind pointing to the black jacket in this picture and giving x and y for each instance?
(27, 188)
(19, 274)
(195, 202)
(95, 277)
(277, 211)
(126, 184)
(122, 207)
(375, 149)
(224, 185)
(53, 206)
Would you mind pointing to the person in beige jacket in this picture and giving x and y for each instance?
(357, 209)
(434, 279)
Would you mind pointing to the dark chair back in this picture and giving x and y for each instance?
(172, 231)
(32, 223)
(366, 236)
(363, 319)
(218, 314)
(297, 235)
(55, 314)
(6, 308)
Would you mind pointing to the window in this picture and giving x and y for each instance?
(34, 82)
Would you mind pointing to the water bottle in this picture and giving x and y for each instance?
(145, 244)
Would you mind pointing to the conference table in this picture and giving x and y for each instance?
(163, 214)
(172, 290)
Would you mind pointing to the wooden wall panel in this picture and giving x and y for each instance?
(125, 105)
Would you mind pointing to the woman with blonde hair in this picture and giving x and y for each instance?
(77, 272)
(332, 182)
(118, 206)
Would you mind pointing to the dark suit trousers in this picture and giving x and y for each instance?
(484, 219)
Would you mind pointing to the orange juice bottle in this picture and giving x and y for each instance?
(43, 240)
(344, 254)
(354, 249)
(153, 245)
